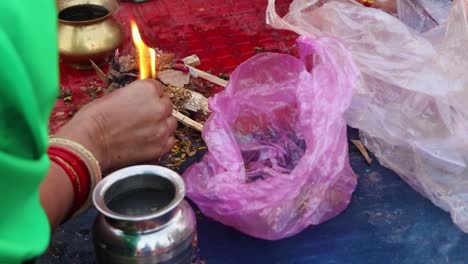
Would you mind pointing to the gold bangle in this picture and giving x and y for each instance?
(89, 159)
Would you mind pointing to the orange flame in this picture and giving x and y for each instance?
(146, 55)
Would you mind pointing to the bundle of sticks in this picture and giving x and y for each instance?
(176, 77)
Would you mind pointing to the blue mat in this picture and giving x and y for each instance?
(386, 222)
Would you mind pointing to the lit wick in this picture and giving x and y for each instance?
(147, 57)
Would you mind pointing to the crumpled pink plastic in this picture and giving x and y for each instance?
(277, 158)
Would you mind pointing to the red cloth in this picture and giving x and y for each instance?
(222, 33)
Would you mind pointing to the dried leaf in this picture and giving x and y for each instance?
(164, 60)
(128, 63)
(174, 78)
(179, 96)
(197, 102)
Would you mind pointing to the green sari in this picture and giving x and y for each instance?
(28, 88)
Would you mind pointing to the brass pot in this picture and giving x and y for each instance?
(87, 31)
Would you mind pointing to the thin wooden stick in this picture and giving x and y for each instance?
(192, 60)
(197, 102)
(204, 75)
(99, 72)
(209, 77)
(187, 120)
(360, 146)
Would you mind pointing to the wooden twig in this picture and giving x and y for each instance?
(360, 146)
(187, 120)
(197, 102)
(99, 72)
(209, 77)
(192, 60)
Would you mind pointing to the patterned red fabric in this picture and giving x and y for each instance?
(222, 33)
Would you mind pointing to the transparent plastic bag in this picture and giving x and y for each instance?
(439, 10)
(414, 15)
(411, 102)
(277, 158)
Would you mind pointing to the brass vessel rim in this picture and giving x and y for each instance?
(135, 171)
(84, 22)
(110, 6)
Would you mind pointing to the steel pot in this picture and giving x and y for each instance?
(143, 218)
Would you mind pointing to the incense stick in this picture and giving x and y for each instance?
(209, 77)
(187, 120)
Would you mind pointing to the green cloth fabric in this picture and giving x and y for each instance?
(28, 88)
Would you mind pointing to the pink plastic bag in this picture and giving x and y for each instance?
(277, 158)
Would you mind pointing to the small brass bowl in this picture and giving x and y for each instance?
(87, 31)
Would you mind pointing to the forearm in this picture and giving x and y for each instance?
(130, 126)
(56, 195)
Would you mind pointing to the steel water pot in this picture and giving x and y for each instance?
(143, 218)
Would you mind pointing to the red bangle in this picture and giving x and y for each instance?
(80, 167)
(76, 170)
(84, 163)
(78, 163)
(73, 179)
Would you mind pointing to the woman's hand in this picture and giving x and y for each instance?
(133, 124)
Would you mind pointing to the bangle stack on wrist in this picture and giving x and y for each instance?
(81, 167)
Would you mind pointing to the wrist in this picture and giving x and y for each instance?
(81, 167)
(56, 195)
(87, 136)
